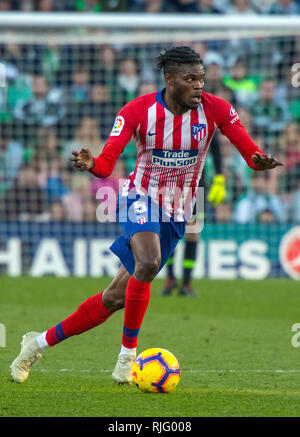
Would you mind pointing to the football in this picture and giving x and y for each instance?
(156, 371)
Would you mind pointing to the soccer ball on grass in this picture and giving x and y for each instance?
(156, 371)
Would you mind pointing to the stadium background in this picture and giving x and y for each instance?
(61, 91)
(66, 67)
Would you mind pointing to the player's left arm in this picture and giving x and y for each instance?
(230, 125)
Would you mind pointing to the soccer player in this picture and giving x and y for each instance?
(215, 196)
(172, 129)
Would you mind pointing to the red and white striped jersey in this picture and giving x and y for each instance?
(171, 149)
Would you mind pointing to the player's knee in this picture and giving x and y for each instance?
(146, 270)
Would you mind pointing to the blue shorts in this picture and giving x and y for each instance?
(139, 214)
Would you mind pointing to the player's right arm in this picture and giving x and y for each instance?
(230, 125)
(124, 127)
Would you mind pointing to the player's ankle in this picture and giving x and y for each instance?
(127, 351)
(42, 342)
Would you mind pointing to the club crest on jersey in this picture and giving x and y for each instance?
(142, 220)
(140, 209)
(199, 131)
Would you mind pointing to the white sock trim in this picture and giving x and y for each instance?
(41, 341)
(127, 351)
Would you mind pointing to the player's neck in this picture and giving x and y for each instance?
(172, 105)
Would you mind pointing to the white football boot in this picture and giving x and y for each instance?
(29, 355)
(123, 370)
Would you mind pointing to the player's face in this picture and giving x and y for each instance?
(186, 85)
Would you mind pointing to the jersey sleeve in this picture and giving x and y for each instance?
(125, 125)
(230, 125)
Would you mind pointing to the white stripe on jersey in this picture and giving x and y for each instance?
(150, 144)
(168, 130)
(186, 131)
(168, 145)
(186, 145)
(151, 127)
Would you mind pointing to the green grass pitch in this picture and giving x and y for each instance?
(233, 344)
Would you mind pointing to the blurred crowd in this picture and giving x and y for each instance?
(156, 6)
(59, 98)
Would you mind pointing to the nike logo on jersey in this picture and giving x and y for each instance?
(153, 133)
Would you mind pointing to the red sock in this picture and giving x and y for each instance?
(89, 314)
(136, 302)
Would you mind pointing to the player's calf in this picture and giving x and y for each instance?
(136, 303)
(113, 297)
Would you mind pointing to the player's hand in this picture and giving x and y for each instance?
(265, 162)
(217, 193)
(83, 159)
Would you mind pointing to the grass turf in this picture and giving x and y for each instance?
(233, 343)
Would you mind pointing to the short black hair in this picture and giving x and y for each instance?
(177, 56)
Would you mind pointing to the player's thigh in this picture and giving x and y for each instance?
(146, 251)
(113, 297)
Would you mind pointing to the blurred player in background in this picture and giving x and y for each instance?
(216, 195)
(173, 129)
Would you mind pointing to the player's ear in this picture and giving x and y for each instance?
(169, 79)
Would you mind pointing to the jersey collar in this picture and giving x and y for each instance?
(160, 99)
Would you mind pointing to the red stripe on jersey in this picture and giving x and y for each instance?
(132, 176)
(210, 132)
(159, 140)
(160, 128)
(177, 132)
(142, 144)
(143, 130)
(176, 145)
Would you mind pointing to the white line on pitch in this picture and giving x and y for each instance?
(183, 370)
